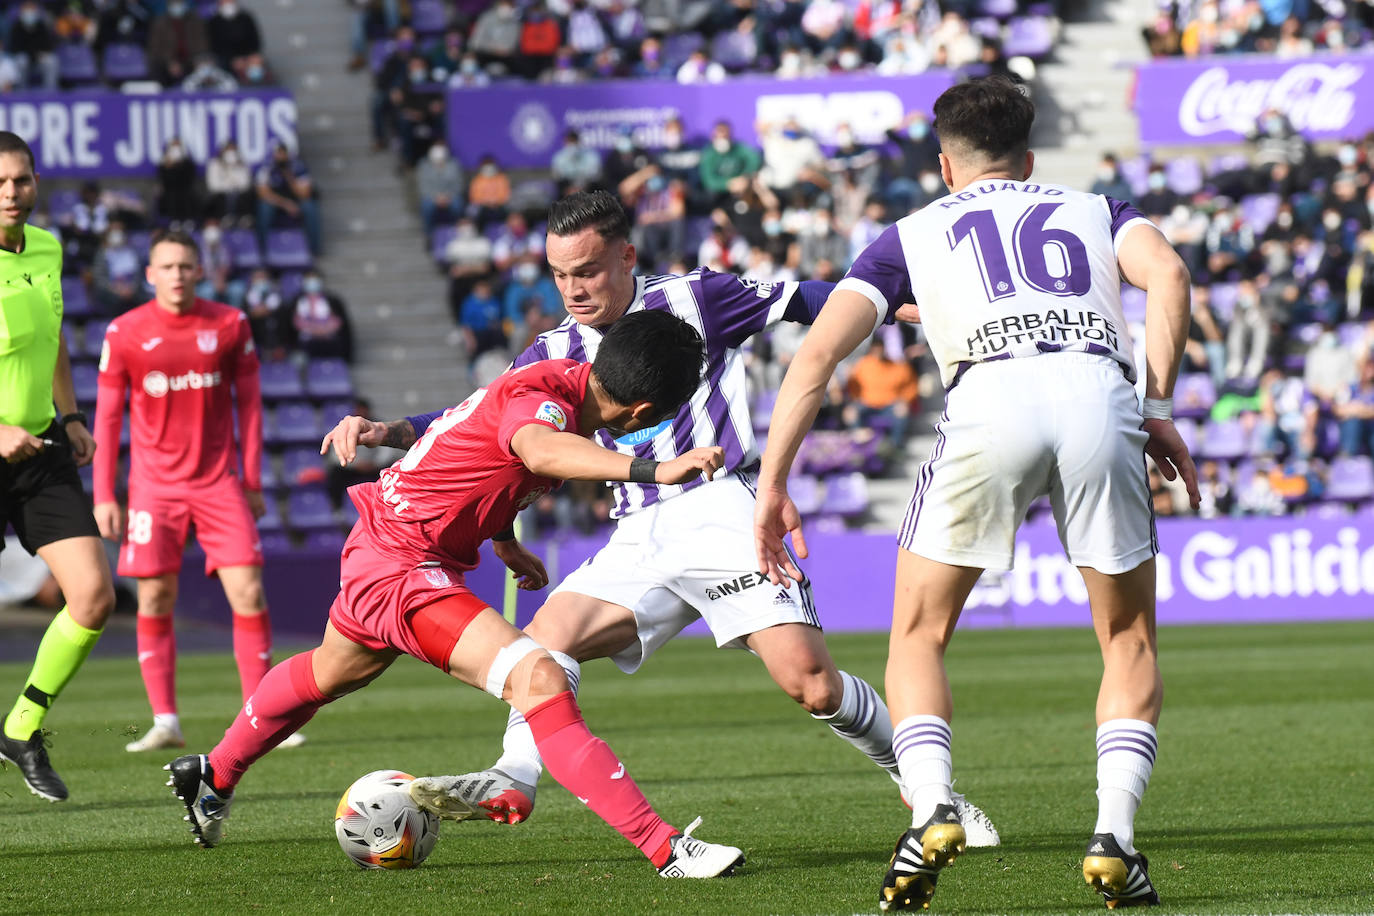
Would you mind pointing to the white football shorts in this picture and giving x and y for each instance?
(687, 557)
(1063, 424)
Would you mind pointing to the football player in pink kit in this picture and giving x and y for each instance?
(188, 363)
(418, 532)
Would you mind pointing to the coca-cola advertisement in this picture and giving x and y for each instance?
(1219, 99)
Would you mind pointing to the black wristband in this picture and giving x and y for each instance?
(642, 470)
(505, 534)
(75, 417)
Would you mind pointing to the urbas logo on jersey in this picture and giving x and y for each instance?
(157, 384)
(550, 412)
(746, 581)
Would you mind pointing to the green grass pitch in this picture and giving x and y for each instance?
(1262, 802)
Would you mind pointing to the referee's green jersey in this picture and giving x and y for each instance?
(30, 329)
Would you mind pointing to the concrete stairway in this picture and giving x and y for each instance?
(1082, 92)
(375, 253)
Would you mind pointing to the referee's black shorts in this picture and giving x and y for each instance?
(42, 496)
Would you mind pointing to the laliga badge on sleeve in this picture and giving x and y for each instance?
(550, 412)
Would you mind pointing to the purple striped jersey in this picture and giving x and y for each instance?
(1005, 269)
(726, 311)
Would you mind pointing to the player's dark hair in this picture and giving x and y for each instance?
(13, 143)
(990, 117)
(598, 210)
(650, 356)
(175, 237)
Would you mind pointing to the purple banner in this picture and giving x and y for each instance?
(1219, 99)
(1224, 571)
(96, 134)
(523, 126)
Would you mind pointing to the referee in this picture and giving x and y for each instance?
(40, 492)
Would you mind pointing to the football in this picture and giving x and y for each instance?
(378, 825)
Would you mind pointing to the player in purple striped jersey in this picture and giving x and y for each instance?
(678, 553)
(1018, 288)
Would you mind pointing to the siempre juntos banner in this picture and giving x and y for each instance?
(1219, 99)
(523, 126)
(99, 134)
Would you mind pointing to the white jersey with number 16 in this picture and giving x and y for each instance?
(1005, 269)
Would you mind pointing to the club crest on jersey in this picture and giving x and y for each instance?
(438, 578)
(207, 341)
(550, 412)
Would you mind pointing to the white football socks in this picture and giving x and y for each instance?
(922, 746)
(519, 757)
(1126, 751)
(863, 721)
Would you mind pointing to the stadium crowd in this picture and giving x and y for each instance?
(1281, 28)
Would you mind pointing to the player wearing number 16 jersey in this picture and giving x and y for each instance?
(188, 363)
(1018, 287)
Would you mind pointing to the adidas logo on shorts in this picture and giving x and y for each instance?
(783, 598)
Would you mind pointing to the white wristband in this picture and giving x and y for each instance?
(1159, 408)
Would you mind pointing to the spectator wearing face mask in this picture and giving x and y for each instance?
(273, 333)
(1159, 198)
(727, 165)
(234, 37)
(388, 83)
(284, 186)
(1276, 141)
(651, 65)
(853, 158)
(821, 242)
(624, 158)
(419, 106)
(116, 272)
(121, 22)
(480, 321)
(698, 68)
(540, 39)
(791, 158)
(496, 35)
(439, 182)
(177, 199)
(229, 182)
(217, 268)
(576, 165)
(33, 46)
(320, 320)
(1247, 339)
(175, 40)
(678, 160)
(1108, 180)
(468, 258)
(514, 242)
(488, 192)
(530, 287)
(470, 73)
(564, 71)
(660, 214)
(208, 76)
(446, 56)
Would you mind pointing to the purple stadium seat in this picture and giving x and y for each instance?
(92, 337)
(271, 519)
(302, 467)
(1228, 162)
(678, 47)
(1049, 10)
(76, 63)
(1225, 441)
(1259, 210)
(378, 52)
(325, 541)
(998, 9)
(328, 378)
(84, 380)
(76, 302)
(846, 495)
(142, 242)
(1352, 334)
(439, 243)
(61, 203)
(986, 27)
(1224, 297)
(275, 543)
(309, 509)
(1187, 431)
(1028, 36)
(289, 285)
(733, 50)
(1133, 302)
(125, 62)
(332, 412)
(288, 248)
(1350, 479)
(1194, 395)
(243, 249)
(428, 17)
(295, 422)
(1136, 171)
(1184, 174)
(805, 491)
(281, 381)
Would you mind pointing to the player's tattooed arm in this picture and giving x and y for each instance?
(399, 434)
(351, 432)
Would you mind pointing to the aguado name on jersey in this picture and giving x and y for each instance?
(157, 384)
